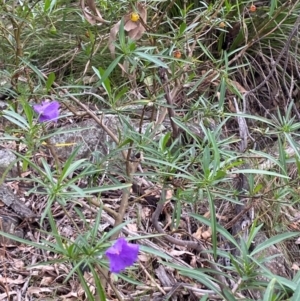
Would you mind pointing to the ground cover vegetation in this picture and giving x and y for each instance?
(191, 192)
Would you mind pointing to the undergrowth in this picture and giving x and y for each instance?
(196, 105)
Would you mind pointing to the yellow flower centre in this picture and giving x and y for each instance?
(134, 17)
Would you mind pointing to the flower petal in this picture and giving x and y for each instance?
(121, 255)
(47, 111)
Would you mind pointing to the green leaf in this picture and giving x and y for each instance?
(298, 165)
(163, 141)
(293, 144)
(269, 157)
(272, 9)
(281, 280)
(108, 71)
(268, 296)
(228, 295)
(296, 295)
(252, 233)
(185, 174)
(70, 167)
(213, 223)
(100, 290)
(50, 81)
(197, 274)
(185, 128)
(206, 51)
(17, 119)
(222, 93)
(206, 162)
(122, 38)
(114, 230)
(48, 172)
(86, 287)
(129, 279)
(182, 28)
(41, 246)
(257, 188)
(151, 58)
(216, 154)
(52, 5)
(273, 240)
(54, 231)
(105, 81)
(258, 171)
(155, 252)
(254, 117)
(219, 228)
(38, 73)
(47, 5)
(121, 93)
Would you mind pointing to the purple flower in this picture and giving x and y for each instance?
(121, 255)
(47, 111)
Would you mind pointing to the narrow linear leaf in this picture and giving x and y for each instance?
(268, 296)
(50, 81)
(151, 58)
(273, 240)
(261, 172)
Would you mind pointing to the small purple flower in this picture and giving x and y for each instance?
(47, 111)
(121, 255)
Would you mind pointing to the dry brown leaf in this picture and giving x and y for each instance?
(294, 226)
(44, 268)
(198, 233)
(132, 227)
(10, 294)
(146, 213)
(295, 267)
(169, 194)
(38, 290)
(179, 253)
(143, 258)
(193, 262)
(207, 234)
(207, 214)
(70, 297)
(231, 106)
(87, 80)
(124, 67)
(238, 86)
(19, 280)
(25, 174)
(46, 281)
(19, 264)
(112, 37)
(91, 4)
(91, 18)
(222, 217)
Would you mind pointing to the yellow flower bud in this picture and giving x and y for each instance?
(134, 17)
(177, 54)
(252, 8)
(222, 24)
